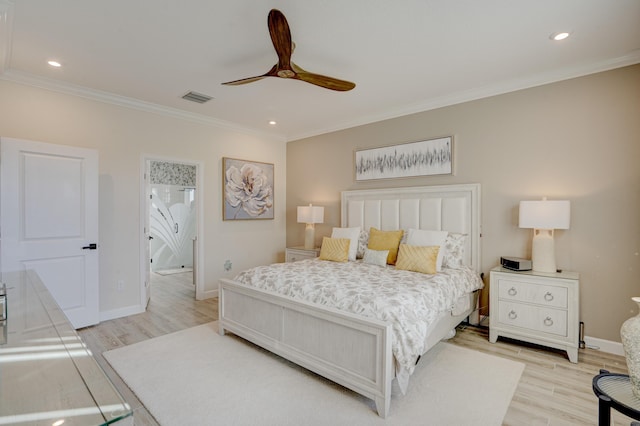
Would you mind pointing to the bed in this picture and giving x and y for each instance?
(355, 349)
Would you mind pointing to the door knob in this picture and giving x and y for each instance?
(91, 246)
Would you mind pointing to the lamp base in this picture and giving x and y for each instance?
(309, 236)
(543, 255)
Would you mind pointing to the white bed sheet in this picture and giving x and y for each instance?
(412, 302)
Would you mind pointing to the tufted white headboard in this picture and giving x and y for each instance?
(453, 208)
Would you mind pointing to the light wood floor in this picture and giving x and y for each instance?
(552, 391)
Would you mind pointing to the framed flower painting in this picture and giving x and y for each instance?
(247, 188)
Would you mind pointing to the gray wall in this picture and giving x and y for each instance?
(578, 139)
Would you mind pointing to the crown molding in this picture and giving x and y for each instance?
(480, 93)
(124, 101)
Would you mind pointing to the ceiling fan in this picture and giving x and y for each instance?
(281, 38)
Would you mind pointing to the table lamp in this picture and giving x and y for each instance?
(544, 216)
(310, 215)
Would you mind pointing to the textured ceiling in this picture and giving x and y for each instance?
(405, 56)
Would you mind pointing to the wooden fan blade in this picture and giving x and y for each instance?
(280, 37)
(326, 82)
(271, 73)
(244, 80)
(322, 80)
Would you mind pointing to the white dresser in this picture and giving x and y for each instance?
(293, 254)
(536, 307)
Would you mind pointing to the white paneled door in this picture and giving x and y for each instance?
(49, 221)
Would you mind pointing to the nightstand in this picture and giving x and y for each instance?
(536, 307)
(293, 254)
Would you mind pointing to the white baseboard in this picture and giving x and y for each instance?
(208, 294)
(604, 345)
(122, 312)
(138, 309)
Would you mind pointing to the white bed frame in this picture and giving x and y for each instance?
(348, 349)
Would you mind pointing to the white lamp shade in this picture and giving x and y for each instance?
(310, 214)
(545, 214)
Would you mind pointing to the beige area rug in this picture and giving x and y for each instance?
(197, 377)
(174, 271)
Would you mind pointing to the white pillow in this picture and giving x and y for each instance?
(423, 237)
(352, 234)
(375, 257)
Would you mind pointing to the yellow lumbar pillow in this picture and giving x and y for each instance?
(418, 258)
(335, 249)
(385, 240)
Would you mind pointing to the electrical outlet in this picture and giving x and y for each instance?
(228, 265)
(120, 285)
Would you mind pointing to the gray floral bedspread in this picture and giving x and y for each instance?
(411, 301)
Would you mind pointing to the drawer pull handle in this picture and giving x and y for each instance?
(548, 297)
(513, 315)
(512, 291)
(548, 321)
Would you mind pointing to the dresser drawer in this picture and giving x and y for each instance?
(546, 320)
(522, 291)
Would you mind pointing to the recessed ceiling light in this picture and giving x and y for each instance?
(55, 64)
(559, 36)
(273, 122)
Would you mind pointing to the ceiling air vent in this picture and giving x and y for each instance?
(197, 97)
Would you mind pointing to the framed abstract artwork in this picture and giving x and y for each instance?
(247, 188)
(428, 157)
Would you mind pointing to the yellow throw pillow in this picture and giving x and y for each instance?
(385, 240)
(418, 258)
(335, 249)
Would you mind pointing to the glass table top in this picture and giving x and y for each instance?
(47, 374)
(618, 388)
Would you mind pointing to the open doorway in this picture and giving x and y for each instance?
(171, 240)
